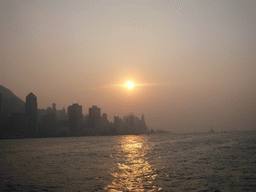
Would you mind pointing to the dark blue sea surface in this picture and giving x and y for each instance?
(157, 162)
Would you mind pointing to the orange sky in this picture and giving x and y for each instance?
(193, 61)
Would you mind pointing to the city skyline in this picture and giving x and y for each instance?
(191, 64)
(22, 120)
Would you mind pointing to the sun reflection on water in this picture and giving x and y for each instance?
(132, 172)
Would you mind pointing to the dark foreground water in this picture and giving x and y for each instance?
(193, 162)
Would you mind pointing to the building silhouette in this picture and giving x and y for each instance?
(94, 119)
(143, 120)
(54, 109)
(129, 124)
(48, 125)
(75, 117)
(50, 122)
(1, 111)
(104, 116)
(61, 115)
(31, 113)
(134, 125)
(53, 122)
(144, 128)
(118, 124)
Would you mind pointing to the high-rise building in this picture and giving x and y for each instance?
(31, 113)
(104, 116)
(133, 125)
(129, 124)
(118, 124)
(143, 120)
(54, 108)
(61, 114)
(94, 118)
(94, 111)
(1, 109)
(144, 127)
(75, 117)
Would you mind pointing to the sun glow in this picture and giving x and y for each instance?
(129, 85)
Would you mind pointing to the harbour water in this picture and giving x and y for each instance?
(157, 162)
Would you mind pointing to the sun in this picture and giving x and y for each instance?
(129, 85)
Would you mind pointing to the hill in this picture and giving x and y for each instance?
(10, 103)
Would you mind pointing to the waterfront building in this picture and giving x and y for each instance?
(1, 111)
(104, 116)
(118, 124)
(75, 117)
(94, 119)
(134, 125)
(31, 113)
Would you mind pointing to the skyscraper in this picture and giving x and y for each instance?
(54, 108)
(94, 118)
(104, 116)
(1, 113)
(143, 120)
(75, 117)
(31, 113)
(118, 124)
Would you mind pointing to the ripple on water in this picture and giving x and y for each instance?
(129, 163)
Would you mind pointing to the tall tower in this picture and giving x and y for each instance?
(54, 109)
(0, 105)
(31, 112)
(118, 124)
(143, 120)
(1, 109)
(144, 127)
(94, 118)
(75, 117)
(104, 116)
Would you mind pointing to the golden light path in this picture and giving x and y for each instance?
(132, 171)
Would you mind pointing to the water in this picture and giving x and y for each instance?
(189, 162)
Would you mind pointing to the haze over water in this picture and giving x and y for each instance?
(187, 162)
(192, 63)
(188, 66)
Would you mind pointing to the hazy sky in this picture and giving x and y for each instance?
(192, 62)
